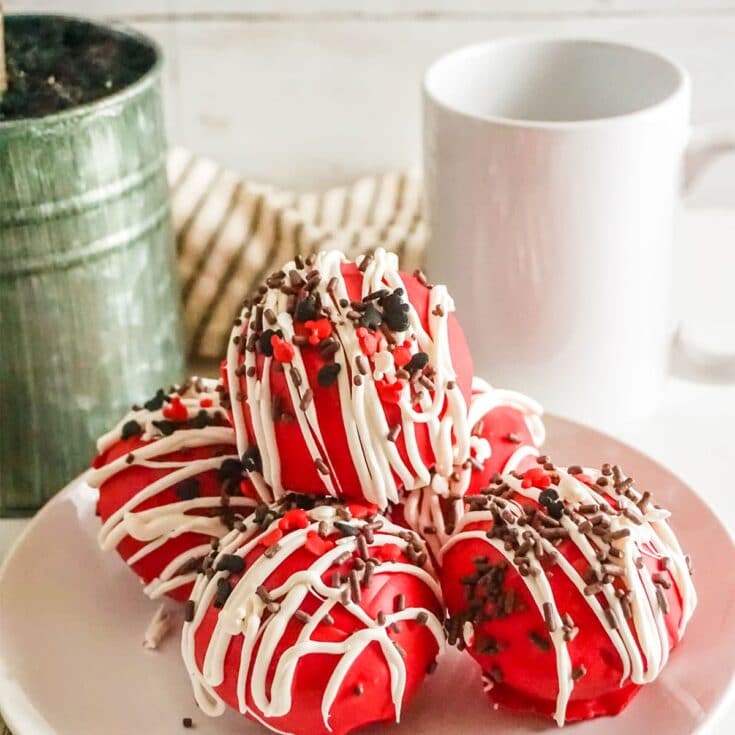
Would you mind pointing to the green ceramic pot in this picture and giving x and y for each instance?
(89, 302)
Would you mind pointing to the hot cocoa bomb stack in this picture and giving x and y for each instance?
(309, 506)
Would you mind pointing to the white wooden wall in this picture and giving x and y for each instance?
(306, 93)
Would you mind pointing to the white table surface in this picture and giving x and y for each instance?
(692, 430)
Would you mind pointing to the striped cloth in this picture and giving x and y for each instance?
(231, 233)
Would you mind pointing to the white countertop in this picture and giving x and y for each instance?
(691, 432)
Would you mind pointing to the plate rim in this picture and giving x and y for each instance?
(24, 713)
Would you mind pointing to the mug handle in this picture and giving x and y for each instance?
(706, 145)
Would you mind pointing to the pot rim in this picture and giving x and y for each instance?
(140, 85)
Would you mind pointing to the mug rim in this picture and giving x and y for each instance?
(142, 83)
(682, 86)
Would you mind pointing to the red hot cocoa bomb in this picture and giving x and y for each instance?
(352, 379)
(169, 480)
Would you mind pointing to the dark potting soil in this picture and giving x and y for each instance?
(56, 63)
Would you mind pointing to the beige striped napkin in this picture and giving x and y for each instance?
(231, 233)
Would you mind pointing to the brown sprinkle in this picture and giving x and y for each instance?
(355, 587)
(321, 466)
(189, 611)
(306, 399)
(549, 617)
(367, 577)
(620, 533)
(626, 607)
(540, 643)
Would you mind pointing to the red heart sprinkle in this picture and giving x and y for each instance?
(176, 410)
(402, 354)
(369, 342)
(362, 510)
(388, 552)
(294, 519)
(272, 538)
(317, 545)
(389, 392)
(535, 477)
(283, 351)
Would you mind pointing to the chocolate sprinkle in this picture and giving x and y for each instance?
(224, 589)
(165, 427)
(156, 402)
(251, 459)
(540, 643)
(328, 374)
(347, 529)
(231, 563)
(549, 617)
(417, 362)
(130, 429)
(264, 342)
(371, 317)
(395, 311)
(230, 469)
(188, 489)
(189, 611)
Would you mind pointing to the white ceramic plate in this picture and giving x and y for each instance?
(72, 619)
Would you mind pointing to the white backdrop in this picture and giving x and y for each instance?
(305, 93)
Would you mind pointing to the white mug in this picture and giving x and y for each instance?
(552, 173)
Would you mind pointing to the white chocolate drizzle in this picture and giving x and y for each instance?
(158, 524)
(636, 625)
(428, 510)
(245, 613)
(375, 457)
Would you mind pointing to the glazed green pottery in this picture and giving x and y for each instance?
(89, 302)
